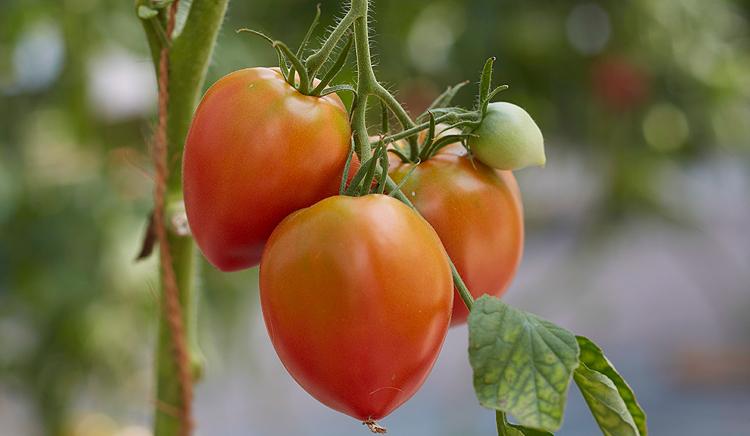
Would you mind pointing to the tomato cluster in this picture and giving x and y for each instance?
(356, 291)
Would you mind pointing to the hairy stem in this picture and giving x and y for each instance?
(189, 57)
(316, 60)
(424, 126)
(368, 84)
(463, 291)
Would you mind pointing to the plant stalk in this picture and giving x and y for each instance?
(189, 57)
(368, 84)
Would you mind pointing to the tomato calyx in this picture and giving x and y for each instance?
(301, 74)
(367, 179)
(443, 124)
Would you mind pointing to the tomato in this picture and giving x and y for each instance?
(356, 294)
(477, 213)
(619, 84)
(258, 150)
(508, 138)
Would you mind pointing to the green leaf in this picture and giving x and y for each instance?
(146, 13)
(608, 395)
(522, 364)
(504, 428)
(605, 403)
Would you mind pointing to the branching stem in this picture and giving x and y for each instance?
(367, 84)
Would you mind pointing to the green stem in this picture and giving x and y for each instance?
(502, 423)
(463, 291)
(190, 54)
(368, 84)
(401, 115)
(316, 60)
(189, 58)
(365, 82)
(168, 393)
(426, 125)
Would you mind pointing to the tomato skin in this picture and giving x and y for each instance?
(477, 213)
(256, 151)
(356, 294)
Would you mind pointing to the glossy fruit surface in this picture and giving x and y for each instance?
(356, 294)
(477, 213)
(258, 150)
(508, 138)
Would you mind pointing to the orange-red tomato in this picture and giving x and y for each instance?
(356, 295)
(477, 213)
(258, 150)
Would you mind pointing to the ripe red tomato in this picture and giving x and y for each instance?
(356, 295)
(258, 150)
(477, 213)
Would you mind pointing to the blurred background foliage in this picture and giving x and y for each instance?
(637, 99)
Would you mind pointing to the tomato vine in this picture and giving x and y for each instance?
(523, 365)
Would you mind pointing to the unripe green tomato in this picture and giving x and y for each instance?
(508, 138)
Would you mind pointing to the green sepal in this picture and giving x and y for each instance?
(338, 88)
(485, 82)
(310, 30)
(355, 184)
(280, 54)
(384, 164)
(442, 142)
(383, 118)
(427, 143)
(335, 68)
(304, 79)
(363, 178)
(491, 95)
(444, 99)
(396, 189)
(372, 169)
(306, 38)
(454, 114)
(347, 168)
(401, 155)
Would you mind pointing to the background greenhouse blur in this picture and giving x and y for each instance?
(637, 230)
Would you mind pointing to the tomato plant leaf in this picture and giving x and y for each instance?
(504, 428)
(605, 403)
(522, 364)
(608, 395)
